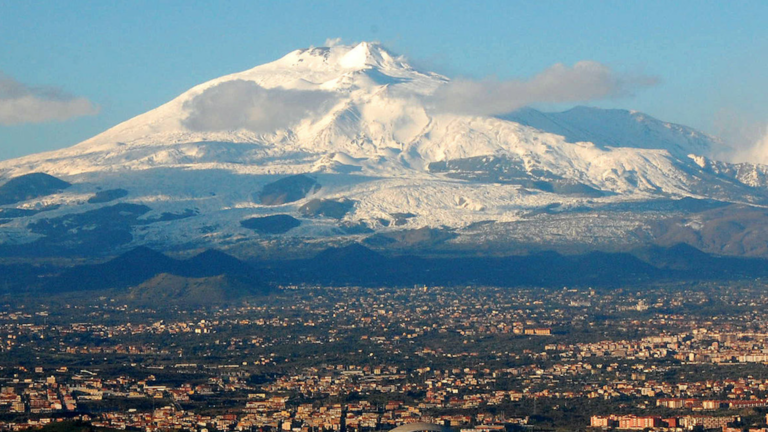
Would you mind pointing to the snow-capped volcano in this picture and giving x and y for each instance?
(349, 142)
(360, 101)
(356, 99)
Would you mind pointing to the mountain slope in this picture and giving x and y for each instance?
(138, 266)
(30, 186)
(166, 290)
(618, 128)
(343, 142)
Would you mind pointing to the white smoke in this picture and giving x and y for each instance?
(332, 42)
(753, 150)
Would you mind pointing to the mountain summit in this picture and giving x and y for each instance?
(347, 144)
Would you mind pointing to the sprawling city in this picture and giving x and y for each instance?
(475, 358)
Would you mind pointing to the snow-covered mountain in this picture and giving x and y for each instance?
(339, 144)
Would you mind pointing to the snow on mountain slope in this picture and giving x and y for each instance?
(618, 128)
(355, 119)
(376, 111)
(368, 114)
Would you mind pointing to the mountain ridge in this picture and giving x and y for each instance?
(355, 122)
(359, 265)
(139, 265)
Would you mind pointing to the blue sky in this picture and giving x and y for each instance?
(125, 58)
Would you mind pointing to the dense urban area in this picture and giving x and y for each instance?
(308, 359)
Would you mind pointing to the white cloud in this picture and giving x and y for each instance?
(331, 42)
(240, 104)
(586, 80)
(21, 104)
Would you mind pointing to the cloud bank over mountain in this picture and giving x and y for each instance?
(585, 81)
(240, 104)
(20, 104)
